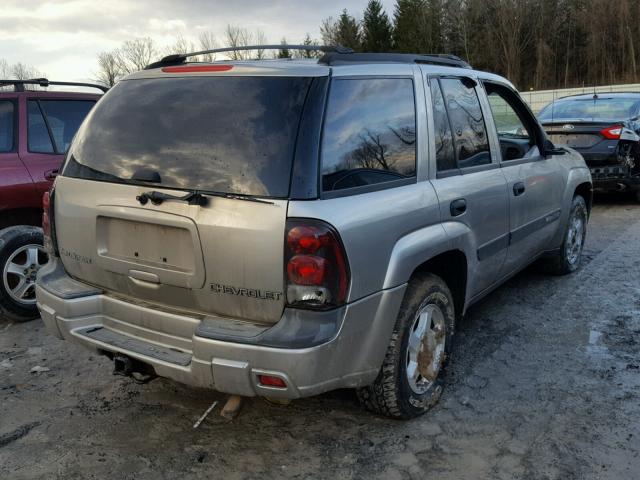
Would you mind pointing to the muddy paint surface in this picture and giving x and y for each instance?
(544, 384)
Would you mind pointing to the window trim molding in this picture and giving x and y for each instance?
(14, 134)
(374, 187)
(322, 194)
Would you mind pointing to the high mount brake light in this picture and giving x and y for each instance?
(612, 133)
(197, 68)
(315, 265)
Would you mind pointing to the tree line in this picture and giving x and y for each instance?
(134, 55)
(537, 44)
(18, 71)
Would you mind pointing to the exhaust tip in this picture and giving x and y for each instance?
(139, 371)
(122, 365)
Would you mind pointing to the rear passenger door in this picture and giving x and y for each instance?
(50, 127)
(16, 188)
(468, 181)
(535, 183)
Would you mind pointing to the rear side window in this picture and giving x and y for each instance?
(7, 122)
(219, 134)
(63, 118)
(445, 156)
(467, 123)
(38, 138)
(369, 133)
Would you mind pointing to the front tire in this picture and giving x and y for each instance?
(411, 378)
(21, 256)
(568, 259)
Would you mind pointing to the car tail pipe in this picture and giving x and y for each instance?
(130, 367)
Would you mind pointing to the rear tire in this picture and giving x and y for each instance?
(568, 259)
(411, 378)
(20, 246)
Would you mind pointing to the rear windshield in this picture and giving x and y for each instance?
(591, 109)
(231, 134)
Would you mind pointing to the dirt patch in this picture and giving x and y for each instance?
(544, 384)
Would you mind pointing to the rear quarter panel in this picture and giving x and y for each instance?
(576, 173)
(386, 234)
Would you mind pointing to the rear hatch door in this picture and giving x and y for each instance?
(227, 139)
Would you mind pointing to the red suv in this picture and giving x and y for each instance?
(36, 129)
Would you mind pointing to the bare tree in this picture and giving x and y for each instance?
(22, 71)
(109, 71)
(181, 45)
(208, 41)
(329, 31)
(236, 36)
(260, 39)
(5, 69)
(136, 54)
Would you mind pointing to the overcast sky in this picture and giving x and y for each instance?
(62, 37)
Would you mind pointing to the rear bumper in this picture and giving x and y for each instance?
(607, 172)
(230, 363)
(614, 177)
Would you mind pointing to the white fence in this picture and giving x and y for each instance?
(539, 98)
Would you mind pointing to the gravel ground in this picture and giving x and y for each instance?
(544, 384)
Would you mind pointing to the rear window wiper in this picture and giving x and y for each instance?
(192, 198)
(235, 196)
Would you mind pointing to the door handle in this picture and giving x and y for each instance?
(518, 188)
(458, 207)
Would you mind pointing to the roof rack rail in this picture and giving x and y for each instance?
(43, 82)
(180, 58)
(338, 58)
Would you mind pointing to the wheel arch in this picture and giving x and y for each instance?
(21, 216)
(452, 267)
(585, 190)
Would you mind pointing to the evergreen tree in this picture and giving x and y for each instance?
(345, 31)
(284, 52)
(309, 53)
(348, 32)
(376, 28)
(408, 29)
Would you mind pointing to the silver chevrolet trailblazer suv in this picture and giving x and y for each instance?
(284, 228)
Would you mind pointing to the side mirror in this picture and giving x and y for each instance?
(551, 149)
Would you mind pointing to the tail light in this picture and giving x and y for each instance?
(48, 228)
(315, 264)
(612, 133)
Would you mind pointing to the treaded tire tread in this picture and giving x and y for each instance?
(387, 395)
(558, 264)
(8, 238)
